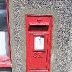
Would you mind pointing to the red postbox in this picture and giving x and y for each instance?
(38, 43)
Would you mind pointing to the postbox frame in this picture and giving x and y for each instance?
(50, 39)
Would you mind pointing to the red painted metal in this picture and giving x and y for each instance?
(5, 61)
(38, 60)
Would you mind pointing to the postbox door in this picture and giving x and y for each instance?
(38, 52)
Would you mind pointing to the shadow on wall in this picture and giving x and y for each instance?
(6, 69)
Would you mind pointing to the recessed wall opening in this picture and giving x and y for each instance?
(5, 55)
(3, 29)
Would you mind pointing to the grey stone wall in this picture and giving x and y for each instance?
(61, 54)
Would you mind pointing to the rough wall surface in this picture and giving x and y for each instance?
(61, 55)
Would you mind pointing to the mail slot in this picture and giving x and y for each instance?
(38, 43)
(38, 27)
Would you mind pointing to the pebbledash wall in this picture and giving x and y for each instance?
(61, 54)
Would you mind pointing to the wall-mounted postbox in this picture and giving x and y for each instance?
(38, 43)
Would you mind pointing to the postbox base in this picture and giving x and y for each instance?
(38, 71)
